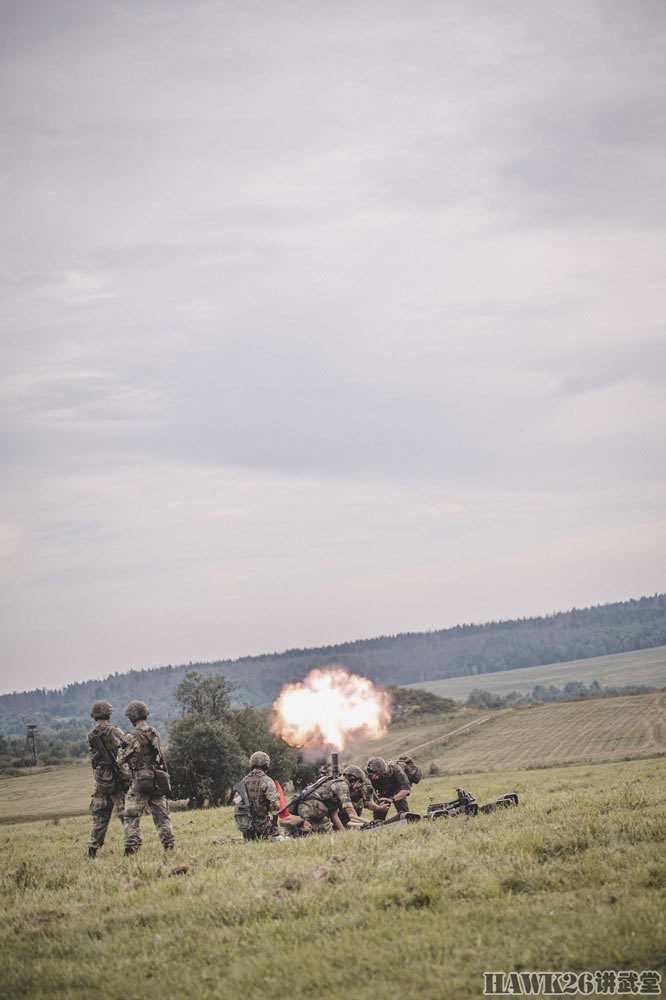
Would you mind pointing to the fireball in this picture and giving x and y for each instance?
(328, 709)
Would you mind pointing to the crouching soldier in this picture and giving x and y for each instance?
(361, 792)
(111, 780)
(318, 807)
(150, 780)
(258, 802)
(391, 786)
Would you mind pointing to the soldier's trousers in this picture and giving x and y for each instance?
(316, 813)
(101, 808)
(135, 803)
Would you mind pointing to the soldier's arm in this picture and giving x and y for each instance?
(127, 748)
(402, 783)
(337, 822)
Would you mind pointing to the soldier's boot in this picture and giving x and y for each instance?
(168, 847)
(92, 852)
(130, 850)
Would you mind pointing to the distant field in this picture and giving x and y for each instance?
(644, 666)
(595, 730)
(49, 791)
(598, 729)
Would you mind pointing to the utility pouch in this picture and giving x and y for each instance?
(163, 783)
(144, 781)
(104, 780)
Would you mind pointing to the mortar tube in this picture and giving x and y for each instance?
(335, 766)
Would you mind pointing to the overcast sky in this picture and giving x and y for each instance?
(325, 320)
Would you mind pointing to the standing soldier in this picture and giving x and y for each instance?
(391, 785)
(150, 780)
(111, 781)
(257, 817)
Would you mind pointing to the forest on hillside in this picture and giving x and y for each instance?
(408, 658)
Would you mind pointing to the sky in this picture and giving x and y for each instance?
(324, 321)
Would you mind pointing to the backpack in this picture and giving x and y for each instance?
(409, 766)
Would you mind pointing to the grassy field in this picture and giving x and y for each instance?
(46, 792)
(574, 879)
(644, 666)
(591, 730)
(602, 729)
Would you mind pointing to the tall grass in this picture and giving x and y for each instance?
(572, 879)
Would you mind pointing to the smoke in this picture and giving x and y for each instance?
(329, 709)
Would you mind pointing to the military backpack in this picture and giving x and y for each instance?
(410, 767)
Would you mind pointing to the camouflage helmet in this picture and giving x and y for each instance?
(260, 759)
(378, 766)
(137, 710)
(101, 710)
(353, 773)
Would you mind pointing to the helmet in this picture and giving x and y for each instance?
(260, 759)
(378, 765)
(101, 710)
(353, 773)
(137, 710)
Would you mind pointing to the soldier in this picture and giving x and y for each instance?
(319, 810)
(264, 801)
(391, 785)
(111, 781)
(361, 792)
(142, 752)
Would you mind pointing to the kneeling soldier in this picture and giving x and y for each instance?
(318, 808)
(111, 781)
(264, 801)
(361, 792)
(150, 780)
(391, 785)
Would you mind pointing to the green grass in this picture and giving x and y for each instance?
(591, 730)
(600, 729)
(594, 730)
(644, 667)
(573, 879)
(46, 792)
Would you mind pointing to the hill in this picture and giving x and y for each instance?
(412, 658)
(595, 729)
(644, 667)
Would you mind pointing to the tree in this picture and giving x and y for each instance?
(208, 695)
(205, 758)
(251, 726)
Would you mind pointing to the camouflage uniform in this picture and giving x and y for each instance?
(320, 804)
(362, 796)
(389, 785)
(265, 800)
(108, 792)
(141, 751)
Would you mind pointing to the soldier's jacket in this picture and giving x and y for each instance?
(265, 800)
(334, 794)
(140, 747)
(112, 737)
(395, 781)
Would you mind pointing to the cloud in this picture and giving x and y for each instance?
(412, 256)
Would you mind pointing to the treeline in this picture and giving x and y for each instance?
(409, 658)
(572, 691)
